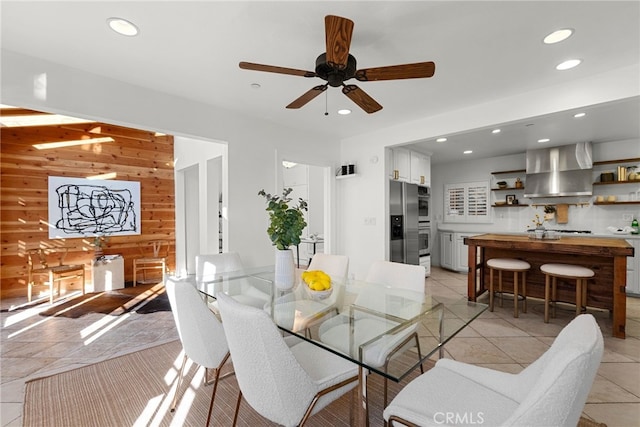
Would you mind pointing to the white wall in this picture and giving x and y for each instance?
(256, 148)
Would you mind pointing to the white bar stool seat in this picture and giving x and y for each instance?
(564, 271)
(511, 265)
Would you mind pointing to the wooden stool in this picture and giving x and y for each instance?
(564, 271)
(516, 266)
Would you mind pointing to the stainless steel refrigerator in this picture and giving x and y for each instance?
(403, 210)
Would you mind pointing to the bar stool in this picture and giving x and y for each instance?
(512, 265)
(565, 271)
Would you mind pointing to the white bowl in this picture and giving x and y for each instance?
(318, 295)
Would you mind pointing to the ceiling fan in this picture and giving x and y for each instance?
(337, 65)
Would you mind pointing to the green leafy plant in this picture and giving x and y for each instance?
(287, 221)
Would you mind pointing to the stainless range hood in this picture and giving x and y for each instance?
(560, 171)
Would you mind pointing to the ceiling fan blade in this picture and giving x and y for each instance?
(396, 72)
(361, 98)
(274, 69)
(338, 33)
(307, 96)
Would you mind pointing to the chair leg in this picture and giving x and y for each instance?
(180, 376)
(515, 294)
(490, 289)
(235, 416)
(213, 394)
(554, 293)
(547, 298)
(578, 296)
(500, 287)
(51, 287)
(524, 291)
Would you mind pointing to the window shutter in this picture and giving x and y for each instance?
(454, 202)
(467, 202)
(478, 201)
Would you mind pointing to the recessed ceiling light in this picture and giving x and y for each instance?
(495, 131)
(558, 36)
(344, 112)
(566, 65)
(122, 26)
(441, 139)
(255, 85)
(578, 115)
(543, 140)
(467, 152)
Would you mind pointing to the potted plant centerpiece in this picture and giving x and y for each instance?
(285, 228)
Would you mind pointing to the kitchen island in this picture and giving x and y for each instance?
(607, 257)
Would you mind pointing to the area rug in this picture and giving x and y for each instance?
(141, 299)
(134, 390)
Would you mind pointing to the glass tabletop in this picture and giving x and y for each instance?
(373, 325)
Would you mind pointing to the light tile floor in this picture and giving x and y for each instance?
(35, 346)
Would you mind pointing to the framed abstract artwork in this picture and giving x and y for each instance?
(80, 207)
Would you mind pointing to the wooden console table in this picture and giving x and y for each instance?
(607, 257)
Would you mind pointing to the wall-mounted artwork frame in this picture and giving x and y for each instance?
(80, 207)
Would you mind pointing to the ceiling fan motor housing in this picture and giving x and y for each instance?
(332, 74)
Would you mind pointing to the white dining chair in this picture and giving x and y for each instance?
(394, 278)
(201, 334)
(308, 312)
(208, 266)
(552, 391)
(283, 384)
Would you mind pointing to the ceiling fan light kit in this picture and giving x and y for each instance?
(337, 65)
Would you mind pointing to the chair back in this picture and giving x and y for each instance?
(159, 249)
(208, 265)
(336, 266)
(399, 278)
(558, 383)
(39, 256)
(397, 275)
(200, 331)
(272, 381)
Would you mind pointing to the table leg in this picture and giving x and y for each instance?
(619, 296)
(472, 274)
(363, 408)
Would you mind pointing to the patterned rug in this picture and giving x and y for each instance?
(141, 299)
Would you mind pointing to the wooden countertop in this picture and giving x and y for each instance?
(601, 246)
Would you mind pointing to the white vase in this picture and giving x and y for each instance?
(285, 269)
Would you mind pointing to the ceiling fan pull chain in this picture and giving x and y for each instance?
(326, 103)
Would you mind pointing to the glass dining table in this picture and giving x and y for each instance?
(361, 323)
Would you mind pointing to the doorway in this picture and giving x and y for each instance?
(308, 183)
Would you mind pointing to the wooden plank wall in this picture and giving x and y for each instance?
(136, 155)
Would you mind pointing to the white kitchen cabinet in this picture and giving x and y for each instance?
(454, 254)
(420, 169)
(401, 161)
(462, 252)
(633, 269)
(447, 253)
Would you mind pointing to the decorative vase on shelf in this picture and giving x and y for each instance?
(98, 252)
(285, 272)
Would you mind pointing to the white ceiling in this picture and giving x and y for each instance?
(483, 51)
